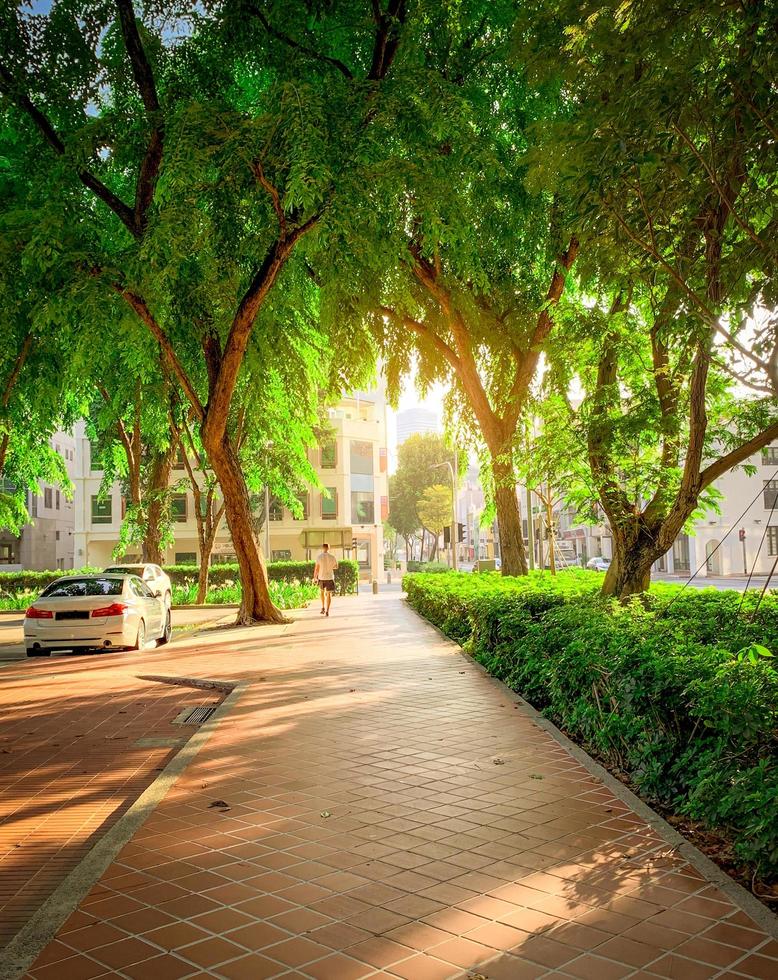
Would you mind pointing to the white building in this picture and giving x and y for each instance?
(416, 421)
(46, 543)
(348, 514)
(742, 538)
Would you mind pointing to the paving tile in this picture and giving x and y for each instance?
(433, 863)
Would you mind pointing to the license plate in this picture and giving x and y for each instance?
(73, 614)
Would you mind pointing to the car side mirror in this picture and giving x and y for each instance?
(157, 593)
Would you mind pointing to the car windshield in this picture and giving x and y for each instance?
(124, 569)
(84, 587)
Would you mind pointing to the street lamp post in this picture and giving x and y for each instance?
(453, 470)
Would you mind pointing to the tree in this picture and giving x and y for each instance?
(668, 160)
(483, 257)
(183, 172)
(39, 391)
(434, 510)
(417, 468)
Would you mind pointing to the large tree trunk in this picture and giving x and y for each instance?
(156, 496)
(512, 554)
(256, 604)
(635, 550)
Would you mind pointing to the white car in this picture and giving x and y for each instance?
(599, 564)
(152, 575)
(107, 612)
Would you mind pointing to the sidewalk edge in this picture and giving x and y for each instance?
(712, 873)
(46, 922)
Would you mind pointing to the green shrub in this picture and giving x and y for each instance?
(18, 589)
(286, 595)
(663, 691)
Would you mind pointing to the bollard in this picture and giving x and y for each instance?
(375, 587)
(388, 578)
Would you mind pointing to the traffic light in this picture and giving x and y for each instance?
(446, 537)
(460, 532)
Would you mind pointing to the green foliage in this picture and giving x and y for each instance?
(417, 469)
(13, 584)
(285, 595)
(668, 693)
(434, 508)
(346, 574)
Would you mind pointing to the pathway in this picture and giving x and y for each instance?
(372, 805)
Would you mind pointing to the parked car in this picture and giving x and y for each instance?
(599, 564)
(108, 612)
(152, 575)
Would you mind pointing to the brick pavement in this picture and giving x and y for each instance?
(70, 765)
(390, 812)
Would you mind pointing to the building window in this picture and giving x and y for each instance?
(770, 456)
(362, 457)
(303, 498)
(56, 535)
(94, 457)
(276, 509)
(770, 493)
(57, 499)
(179, 463)
(362, 507)
(186, 558)
(281, 554)
(178, 508)
(329, 504)
(681, 562)
(102, 510)
(384, 508)
(329, 455)
(772, 540)
(47, 497)
(34, 504)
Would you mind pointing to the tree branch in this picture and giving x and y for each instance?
(144, 80)
(13, 377)
(298, 46)
(725, 463)
(138, 304)
(387, 37)
(124, 213)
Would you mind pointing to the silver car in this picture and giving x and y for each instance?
(599, 564)
(107, 612)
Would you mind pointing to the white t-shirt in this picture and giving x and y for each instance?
(327, 564)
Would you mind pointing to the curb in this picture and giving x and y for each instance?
(710, 871)
(46, 922)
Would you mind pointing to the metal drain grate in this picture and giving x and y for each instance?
(195, 716)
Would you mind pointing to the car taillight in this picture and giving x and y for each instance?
(115, 609)
(34, 613)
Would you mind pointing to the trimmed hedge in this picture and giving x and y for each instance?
(346, 575)
(664, 693)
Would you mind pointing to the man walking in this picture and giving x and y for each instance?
(324, 575)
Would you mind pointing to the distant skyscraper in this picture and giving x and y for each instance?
(415, 421)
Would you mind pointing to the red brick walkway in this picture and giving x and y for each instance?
(70, 765)
(390, 813)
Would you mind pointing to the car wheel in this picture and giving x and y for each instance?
(39, 652)
(167, 632)
(140, 639)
